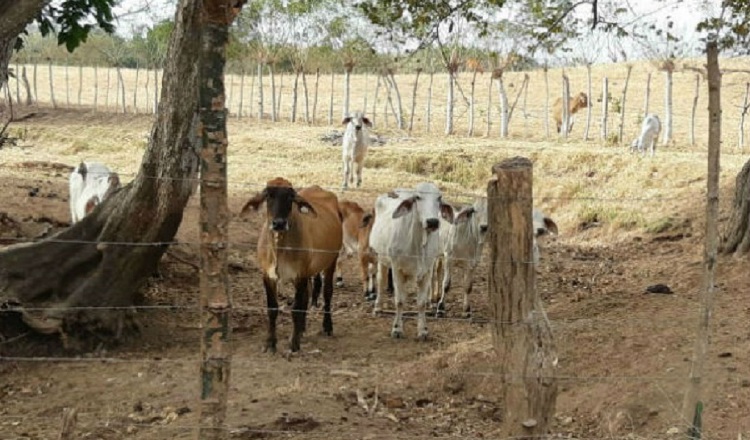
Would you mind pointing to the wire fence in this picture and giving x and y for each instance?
(568, 323)
(324, 103)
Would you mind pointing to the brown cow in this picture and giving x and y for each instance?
(357, 226)
(580, 101)
(296, 244)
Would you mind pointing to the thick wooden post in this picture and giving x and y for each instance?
(521, 332)
(692, 405)
(215, 299)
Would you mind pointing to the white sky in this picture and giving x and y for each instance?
(685, 14)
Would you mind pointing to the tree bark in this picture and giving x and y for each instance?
(736, 237)
(27, 88)
(605, 107)
(565, 126)
(695, 108)
(546, 102)
(78, 275)
(692, 404)
(274, 114)
(588, 107)
(449, 104)
(647, 95)
(315, 94)
(504, 113)
(14, 16)
(471, 102)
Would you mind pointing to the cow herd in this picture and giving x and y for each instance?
(409, 236)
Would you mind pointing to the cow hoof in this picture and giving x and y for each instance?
(440, 313)
(424, 337)
(371, 296)
(294, 346)
(269, 348)
(339, 282)
(375, 312)
(397, 334)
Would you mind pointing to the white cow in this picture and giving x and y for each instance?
(461, 245)
(354, 147)
(405, 238)
(650, 129)
(543, 226)
(90, 184)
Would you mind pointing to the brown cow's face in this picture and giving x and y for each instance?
(279, 201)
(582, 101)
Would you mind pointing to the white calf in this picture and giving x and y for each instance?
(650, 129)
(90, 184)
(543, 226)
(404, 238)
(354, 146)
(461, 244)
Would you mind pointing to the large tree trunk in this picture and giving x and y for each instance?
(103, 260)
(736, 238)
(14, 16)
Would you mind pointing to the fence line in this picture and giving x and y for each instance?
(136, 86)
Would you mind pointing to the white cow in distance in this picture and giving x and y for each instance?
(405, 237)
(90, 183)
(650, 129)
(354, 147)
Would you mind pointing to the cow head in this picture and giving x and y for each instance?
(542, 224)
(279, 196)
(581, 101)
(427, 201)
(357, 119)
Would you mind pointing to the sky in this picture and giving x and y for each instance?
(686, 14)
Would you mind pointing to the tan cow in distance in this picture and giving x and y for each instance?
(580, 101)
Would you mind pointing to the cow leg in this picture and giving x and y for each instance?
(434, 285)
(299, 312)
(381, 276)
(359, 165)
(398, 300)
(445, 286)
(347, 172)
(317, 285)
(339, 272)
(423, 300)
(273, 312)
(364, 276)
(327, 297)
(469, 283)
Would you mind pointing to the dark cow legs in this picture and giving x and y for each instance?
(299, 312)
(327, 296)
(273, 311)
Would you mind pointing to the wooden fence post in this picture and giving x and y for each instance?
(692, 405)
(605, 107)
(521, 332)
(566, 116)
(215, 296)
(621, 131)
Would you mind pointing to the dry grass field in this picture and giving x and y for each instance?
(626, 222)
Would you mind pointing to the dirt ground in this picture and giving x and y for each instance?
(624, 355)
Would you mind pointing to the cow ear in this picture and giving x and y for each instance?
(254, 203)
(346, 120)
(446, 211)
(366, 220)
(404, 208)
(551, 225)
(465, 215)
(114, 184)
(304, 206)
(367, 122)
(392, 194)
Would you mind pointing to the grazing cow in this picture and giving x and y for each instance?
(650, 129)
(461, 244)
(580, 101)
(90, 183)
(543, 226)
(357, 226)
(354, 147)
(405, 238)
(299, 239)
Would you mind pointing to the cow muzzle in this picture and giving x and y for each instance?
(483, 228)
(432, 224)
(279, 225)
